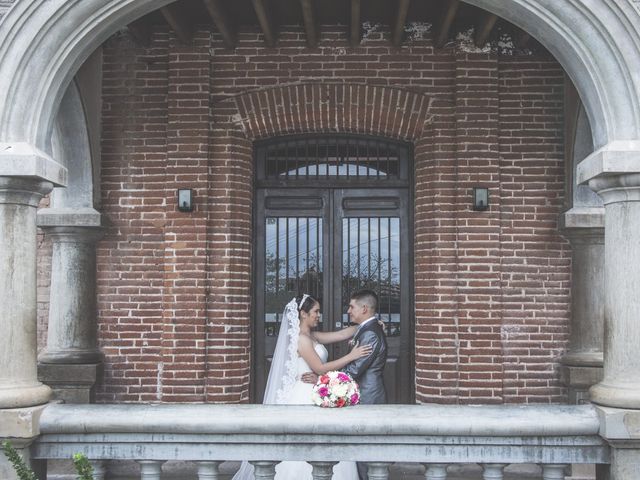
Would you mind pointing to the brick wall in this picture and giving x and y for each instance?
(174, 289)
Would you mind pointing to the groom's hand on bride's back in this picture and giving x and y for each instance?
(309, 377)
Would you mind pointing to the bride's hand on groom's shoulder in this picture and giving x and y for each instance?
(360, 350)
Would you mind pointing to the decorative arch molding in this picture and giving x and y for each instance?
(338, 108)
(71, 147)
(44, 42)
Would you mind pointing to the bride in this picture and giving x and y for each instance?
(300, 350)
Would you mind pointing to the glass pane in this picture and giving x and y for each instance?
(371, 259)
(293, 264)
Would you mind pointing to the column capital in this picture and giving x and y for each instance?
(69, 217)
(67, 234)
(583, 225)
(20, 159)
(23, 190)
(613, 171)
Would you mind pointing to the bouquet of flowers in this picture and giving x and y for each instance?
(335, 389)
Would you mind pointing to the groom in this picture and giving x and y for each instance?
(367, 371)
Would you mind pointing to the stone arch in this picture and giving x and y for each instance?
(45, 42)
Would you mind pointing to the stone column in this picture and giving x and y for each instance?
(584, 227)
(621, 384)
(70, 363)
(19, 385)
(26, 174)
(614, 172)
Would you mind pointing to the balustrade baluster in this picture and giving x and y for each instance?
(99, 469)
(322, 470)
(492, 471)
(264, 470)
(208, 470)
(150, 469)
(378, 470)
(435, 471)
(553, 472)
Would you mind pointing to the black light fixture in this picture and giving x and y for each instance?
(185, 200)
(480, 198)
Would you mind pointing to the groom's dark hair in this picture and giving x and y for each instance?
(368, 297)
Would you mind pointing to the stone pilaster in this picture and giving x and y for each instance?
(19, 385)
(70, 363)
(582, 364)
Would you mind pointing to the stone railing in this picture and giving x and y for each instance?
(433, 435)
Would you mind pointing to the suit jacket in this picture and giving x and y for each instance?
(367, 371)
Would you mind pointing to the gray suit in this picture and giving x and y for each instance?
(367, 371)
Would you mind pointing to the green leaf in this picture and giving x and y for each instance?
(18, 463)
(83, 467)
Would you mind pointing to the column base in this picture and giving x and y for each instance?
(583, 359)
(579, 379)
(71, 383)
(21, 426)
(18, 396)
(618, 395)
(70, 356)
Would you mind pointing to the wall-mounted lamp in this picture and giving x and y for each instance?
(185, 200)
(480, 198)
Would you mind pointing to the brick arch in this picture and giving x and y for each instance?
(338, 108)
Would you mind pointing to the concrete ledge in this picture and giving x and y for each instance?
(24, 160)
(382, 433)
(501, 421)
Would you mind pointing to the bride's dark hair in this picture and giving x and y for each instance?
(308, 303)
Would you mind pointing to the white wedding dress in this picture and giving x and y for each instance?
(300, 394)
(284, 387)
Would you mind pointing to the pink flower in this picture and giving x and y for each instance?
(355, 399)
(323, 391)
(341, 402)
(324, 379)
(343, 377)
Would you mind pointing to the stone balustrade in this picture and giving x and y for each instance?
(433, 435)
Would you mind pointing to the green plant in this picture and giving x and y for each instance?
(83, 467)
(19, 465)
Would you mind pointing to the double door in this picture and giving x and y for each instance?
(330, 242)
